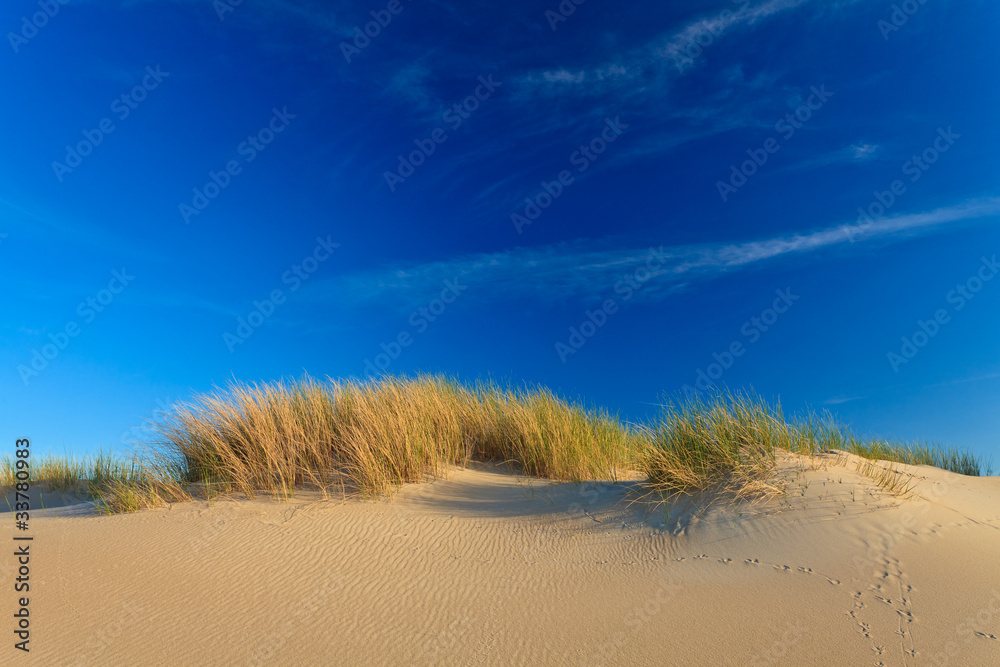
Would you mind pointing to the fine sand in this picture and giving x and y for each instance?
(485, 567)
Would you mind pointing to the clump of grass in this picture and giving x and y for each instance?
(57, 473)
(374, 436)
(67, 474)
(726, 444)
(103, 476)
(144, 491)
(947, 458)
(829, 436)
(885, 475)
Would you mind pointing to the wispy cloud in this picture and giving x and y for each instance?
(855, 154)
(676, 46)
(837, 400)
(582, 270)
(963, 380)
(655, 62)
(864, 151)
(608, 81)
(410, 84)
(563, 76)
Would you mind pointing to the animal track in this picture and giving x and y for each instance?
(809, 570)
(891, 590)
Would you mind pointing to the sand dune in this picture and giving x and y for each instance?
(489, 568)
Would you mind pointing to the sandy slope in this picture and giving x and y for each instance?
(489, 568)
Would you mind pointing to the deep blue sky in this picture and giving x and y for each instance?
(672, 96)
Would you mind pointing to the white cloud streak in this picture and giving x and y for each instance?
(582, 271)
(652, 61)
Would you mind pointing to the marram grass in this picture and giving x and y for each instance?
(374, 436)
(370, 437)
(100, 476)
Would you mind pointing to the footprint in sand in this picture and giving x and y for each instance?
(809, 570)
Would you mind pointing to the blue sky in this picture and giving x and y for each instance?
(616, 201)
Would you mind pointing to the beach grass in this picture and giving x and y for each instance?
(370, 437)
(99, 476)
(374, 436)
